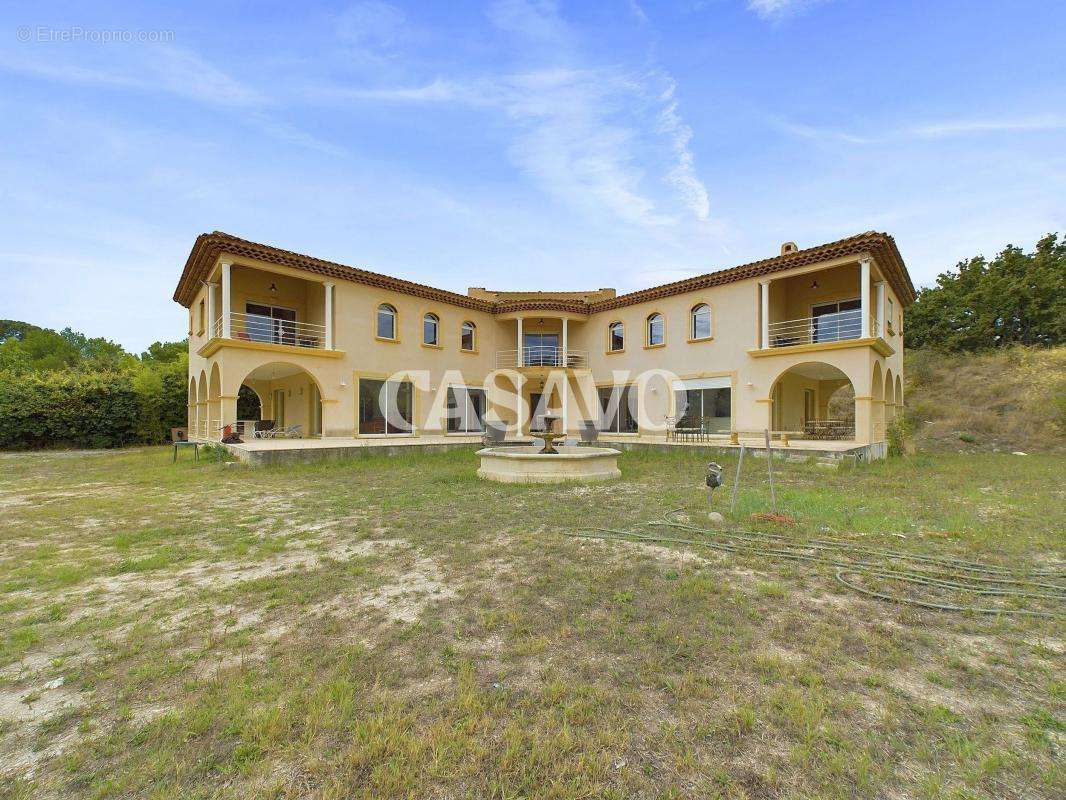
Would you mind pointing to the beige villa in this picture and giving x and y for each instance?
(807, 343)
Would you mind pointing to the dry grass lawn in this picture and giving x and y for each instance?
(392, 627)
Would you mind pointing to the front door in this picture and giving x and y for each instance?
(537, 412)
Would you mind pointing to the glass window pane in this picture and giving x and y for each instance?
(386, 322)
(655, 329)
(399, 407)
(467, 338)
(371, 413)
(701, 322)
(429, 329)
(617, 336)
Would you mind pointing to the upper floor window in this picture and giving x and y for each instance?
(616, 337)
(430, 330)
(701, 322)
(386, 321)
(656, 330)
(200, 326)
(467, 335)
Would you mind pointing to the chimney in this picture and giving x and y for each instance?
(789, 247)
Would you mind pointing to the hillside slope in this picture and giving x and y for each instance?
(1014, 399)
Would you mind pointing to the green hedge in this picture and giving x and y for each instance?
(69, 408)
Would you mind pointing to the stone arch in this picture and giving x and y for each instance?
(214, 403)
(877, 404)
(816, 398)
(191, 419)
(890, 397)
(289, 394)
(201, 405)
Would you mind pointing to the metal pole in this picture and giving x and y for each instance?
(770, 467)
(736, 480)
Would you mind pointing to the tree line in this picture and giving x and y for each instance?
(64, 389)
(1017, 298)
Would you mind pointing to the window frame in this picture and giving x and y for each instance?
(426, 317)
(648, 344)
(692, 337)
(473, 336)
(395, 323)
(610, 337)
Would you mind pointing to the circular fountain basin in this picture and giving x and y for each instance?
(528, 465)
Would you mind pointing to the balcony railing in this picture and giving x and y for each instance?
(543, 356)
(813, 330)
(256, 328)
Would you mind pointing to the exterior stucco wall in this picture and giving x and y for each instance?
(735, 331)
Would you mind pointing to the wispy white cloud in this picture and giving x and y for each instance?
(779, 9)
(964, 127)
(149, 68)
(683, 174)
(928, 130)
(590, 137)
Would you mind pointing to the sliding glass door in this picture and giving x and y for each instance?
(466, 409)
(618, 409)
(385, 406)
(270, 324)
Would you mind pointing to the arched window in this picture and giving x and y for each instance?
(616, 337)
(656, 330)
(467, 335)
(701, 322)
(386, 321)
(431, 330)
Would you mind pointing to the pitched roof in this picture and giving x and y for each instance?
(209, 246)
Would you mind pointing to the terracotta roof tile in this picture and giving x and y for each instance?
(209, 246)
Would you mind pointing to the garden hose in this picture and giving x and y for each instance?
(926, 574)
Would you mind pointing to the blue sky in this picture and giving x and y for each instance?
(513, 144)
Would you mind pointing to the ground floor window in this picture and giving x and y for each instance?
(385, 406)
(703, 408)
(466, 409)
(618, 409)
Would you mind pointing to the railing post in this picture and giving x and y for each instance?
(226, 299)
(329, 316)
(864, 298)
(764, 297)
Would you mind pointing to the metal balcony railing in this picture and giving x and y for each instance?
(256, 328)
(812, 330)
(543, 356)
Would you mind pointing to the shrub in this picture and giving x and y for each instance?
(71, 408)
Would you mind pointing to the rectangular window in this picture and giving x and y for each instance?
(618, 409)
(385, 406)
(203, 314)
(271, 324)
(466, 408)
(540, 349)
(836, 321)
(703, 408)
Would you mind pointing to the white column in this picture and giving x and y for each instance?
(864, 297)
(209, 329)
(226, 299)
(566, 357)
(764, 297)
(518, 355)
(880, 306)
(328, 316)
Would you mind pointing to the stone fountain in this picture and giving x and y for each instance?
(550, 464)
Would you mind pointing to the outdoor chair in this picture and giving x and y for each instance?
(290, 432)
(264, 429)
